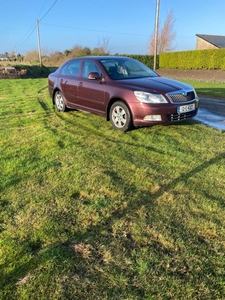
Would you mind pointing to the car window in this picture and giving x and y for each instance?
(126, 68)
(89, 67)
(72, 68)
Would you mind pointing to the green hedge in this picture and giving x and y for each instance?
(196, 59)
(148, 60)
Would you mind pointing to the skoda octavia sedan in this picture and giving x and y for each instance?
(123, 90)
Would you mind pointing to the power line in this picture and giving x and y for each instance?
(48, 10)
(42, 9)
(94, 30)
(33, 27)
(28, 35)
(38, 32)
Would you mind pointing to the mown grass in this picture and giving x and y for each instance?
(87, 212)
(214, 89)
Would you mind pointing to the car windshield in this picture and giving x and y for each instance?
(126, 69)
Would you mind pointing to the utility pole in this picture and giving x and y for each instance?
(39, 45)
(156, 31)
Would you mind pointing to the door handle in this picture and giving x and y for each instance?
(62, 82)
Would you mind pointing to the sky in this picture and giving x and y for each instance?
(127, 25)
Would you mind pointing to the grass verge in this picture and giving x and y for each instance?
(212, 89)
(87, 212)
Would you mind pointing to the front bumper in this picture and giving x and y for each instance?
(168, 112)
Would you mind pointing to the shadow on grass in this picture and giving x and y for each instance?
(93, 235)
(96, 234)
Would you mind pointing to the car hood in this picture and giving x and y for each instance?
(155, 84)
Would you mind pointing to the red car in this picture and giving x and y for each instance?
(123, 90)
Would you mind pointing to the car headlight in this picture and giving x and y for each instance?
(149, 98)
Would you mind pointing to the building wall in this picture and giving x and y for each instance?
(202, 45)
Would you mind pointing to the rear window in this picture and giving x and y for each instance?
(71, 68)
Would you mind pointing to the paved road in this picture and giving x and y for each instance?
(212, 112)
(216, 106)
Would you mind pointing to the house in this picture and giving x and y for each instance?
(206, 41)
(4, 57)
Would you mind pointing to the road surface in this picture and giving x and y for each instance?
(212, 112)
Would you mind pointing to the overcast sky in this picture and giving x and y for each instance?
(127, 24)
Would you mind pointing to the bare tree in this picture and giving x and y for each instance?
(166, 36)
(102, 46)
(31, 56)
(12, 56)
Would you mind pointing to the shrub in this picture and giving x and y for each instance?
(148, 60)
(196, 59)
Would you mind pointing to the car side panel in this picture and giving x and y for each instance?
(68, 85)
(92, 96)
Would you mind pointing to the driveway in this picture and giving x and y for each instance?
(211, 112)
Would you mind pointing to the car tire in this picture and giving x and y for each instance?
(120, 116)
(59, 102)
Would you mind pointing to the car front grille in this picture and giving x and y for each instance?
(181, 96)
(180, 117)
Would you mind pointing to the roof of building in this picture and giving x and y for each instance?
(216, 40)
(4, 56)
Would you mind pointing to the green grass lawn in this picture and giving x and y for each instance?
(87, 212)
(213, 89)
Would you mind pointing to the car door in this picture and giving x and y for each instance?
(91, 92)
(69, 80)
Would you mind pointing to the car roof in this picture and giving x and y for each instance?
(105, 57)
(96, 58)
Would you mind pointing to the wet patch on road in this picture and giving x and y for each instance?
(210, 119)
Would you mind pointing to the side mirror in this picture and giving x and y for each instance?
(94, 76)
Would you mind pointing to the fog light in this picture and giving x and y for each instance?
(153, 118)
